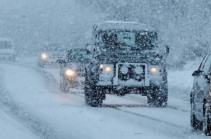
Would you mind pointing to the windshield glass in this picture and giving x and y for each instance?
(122, 39)
(77, 56)
(5, 44)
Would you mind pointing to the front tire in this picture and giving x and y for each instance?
(158, 97)
(63, 86)
(41, 65)
(207, 123)
(195, 124)
(93, 97)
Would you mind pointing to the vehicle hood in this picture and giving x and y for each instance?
(77, 66)
(132, 56)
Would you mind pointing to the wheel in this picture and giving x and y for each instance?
(63, 86)
(93, 96)
(195, 124)
(207, 123)
(158, 97)
(41, 65)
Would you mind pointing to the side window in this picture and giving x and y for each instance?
(207, 65)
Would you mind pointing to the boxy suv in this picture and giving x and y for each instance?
(200, 97)
(125, 58)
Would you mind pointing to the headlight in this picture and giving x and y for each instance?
(153, 70)
(105, 68)
(108, 69)
(44, 56)
(70, 73)
(124, 70)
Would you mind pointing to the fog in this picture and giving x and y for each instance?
(184, 25)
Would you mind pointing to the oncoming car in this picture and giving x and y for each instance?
(72, 69)
(50, 54)
(200, 97)
(126, 58)
(7, 50)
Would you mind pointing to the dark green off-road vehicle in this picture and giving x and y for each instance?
(126, 58)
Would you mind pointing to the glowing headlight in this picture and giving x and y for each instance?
(108, 69)
(124, 70)
(153, 70)
(70, 73)
(101, 66)
(44, 56)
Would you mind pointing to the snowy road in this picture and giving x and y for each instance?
(34, 100)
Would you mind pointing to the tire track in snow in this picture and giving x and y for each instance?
(34, 124)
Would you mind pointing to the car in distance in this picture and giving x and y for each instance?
(125, 57)
(200, 97)
(72, 69)
(50, 54)
(7, 50)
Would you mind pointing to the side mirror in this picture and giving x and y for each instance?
(88, 48)
(167, 49)
(197, 73)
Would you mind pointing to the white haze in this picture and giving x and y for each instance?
(184, 25)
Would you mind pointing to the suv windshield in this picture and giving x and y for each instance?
(77, 56)
(122, 39)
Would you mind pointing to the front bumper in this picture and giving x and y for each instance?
(144, 90)
(75, 80)
(145, 78)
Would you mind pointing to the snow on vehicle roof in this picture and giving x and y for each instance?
(121, 25)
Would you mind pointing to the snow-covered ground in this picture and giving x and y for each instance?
(36, 102)
(11, 129)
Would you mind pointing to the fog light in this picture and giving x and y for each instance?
(138, 70)
(124, 70)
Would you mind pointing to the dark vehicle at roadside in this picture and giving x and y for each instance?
(200, 97)
(126, 58)
(72, 69)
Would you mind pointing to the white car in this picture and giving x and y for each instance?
(7, 50)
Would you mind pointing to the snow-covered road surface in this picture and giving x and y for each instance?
(48, 113)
